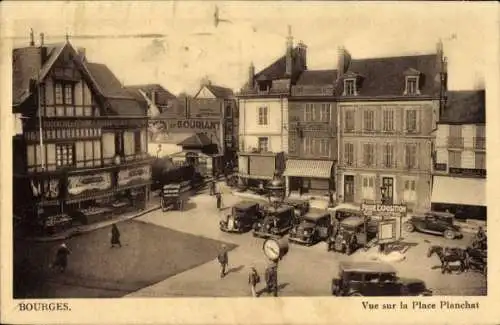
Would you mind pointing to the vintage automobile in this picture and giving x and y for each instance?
(276, 222)
(242, 218)
(311, 228)
(375, 279)
(301, 206)
(432, 222)
(351, 233)
(343, 213)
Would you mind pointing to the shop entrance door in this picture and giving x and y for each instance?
(348, 188)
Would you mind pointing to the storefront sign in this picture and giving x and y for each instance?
(386, 231)
(134, 175)
(195, 124)
(468, 172)
(80, 184)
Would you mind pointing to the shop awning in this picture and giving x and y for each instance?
(459, 190)
(309, 168)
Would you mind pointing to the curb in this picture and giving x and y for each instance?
(79, 231)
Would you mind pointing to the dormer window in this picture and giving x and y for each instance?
(412, 86)
(412, 80)
(350, 87)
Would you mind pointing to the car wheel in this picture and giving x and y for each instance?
(355, 294)
(449, 234)
(409, 227)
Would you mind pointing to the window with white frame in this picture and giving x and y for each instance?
(368, 188)
(369, 120)
(349, 87)
(323, 147)
(388, 120)
(263, 144)
(263, 115)
(388, 155)
(409, 190)
(412, 85)
(368, 154)
(65, 155)
(349, 154)
(309, 112)
(308, 146)
(324, 113)
(349, 121)
(480, 160)
(411, 120)
(410, 155)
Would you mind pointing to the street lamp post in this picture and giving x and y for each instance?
(276, 191)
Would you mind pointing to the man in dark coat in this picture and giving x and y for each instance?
(212, 188)
(272, 279)
(219, 200)
(115, 236)
(223, 261)
(61, 260)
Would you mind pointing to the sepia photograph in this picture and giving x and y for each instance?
(247, 149)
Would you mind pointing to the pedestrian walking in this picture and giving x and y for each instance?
(61, 259)
(115, 236)
(223, 261)
(219, 200)
(212, 188)
(253, 280)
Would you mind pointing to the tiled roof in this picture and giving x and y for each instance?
(122, 102)
(220, 92)
(196, 140)
(464, 107)
(317, 77)
(277, 69)
(163, 96)
(26, 65)
(386, 76)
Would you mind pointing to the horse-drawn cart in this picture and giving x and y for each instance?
(175, 195)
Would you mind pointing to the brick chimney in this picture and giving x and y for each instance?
(343, 60)
(251, 75)
(302, 48)
(289, 50)
(43, 48)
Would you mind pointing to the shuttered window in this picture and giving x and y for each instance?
(348, 154)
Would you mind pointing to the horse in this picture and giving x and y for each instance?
(447, 255)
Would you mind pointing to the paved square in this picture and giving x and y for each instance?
(149, 254)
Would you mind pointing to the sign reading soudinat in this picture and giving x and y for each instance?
(195, 124)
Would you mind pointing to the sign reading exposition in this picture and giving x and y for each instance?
(80, 184)
(392, 210)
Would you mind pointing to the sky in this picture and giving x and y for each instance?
(190, 47)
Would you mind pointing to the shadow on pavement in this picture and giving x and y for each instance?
(235, 269)
(189, 206)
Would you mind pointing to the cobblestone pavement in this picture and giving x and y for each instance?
(305, 271)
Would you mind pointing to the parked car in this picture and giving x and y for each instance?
(343, 213)
(351, 233)
(301, 206)
(242, 218)
(276, 222)
(311, 228)
(432, 222)
(375, 279)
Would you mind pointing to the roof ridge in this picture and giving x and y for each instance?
(394, 57)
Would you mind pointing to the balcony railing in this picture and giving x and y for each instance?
(456, 142)
(480, 143)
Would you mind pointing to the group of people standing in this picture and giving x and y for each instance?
(271, 275)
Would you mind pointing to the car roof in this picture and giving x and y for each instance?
(348, 210)
(244, 205)
(366, 267)
(316, 215)
(280, 209)
(295, 201)
(352, 221)
(441, 214)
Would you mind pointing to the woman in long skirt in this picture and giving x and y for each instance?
(115, 236)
